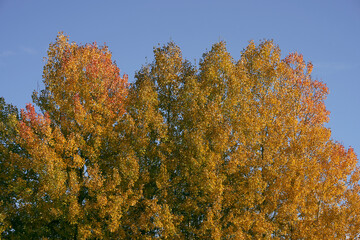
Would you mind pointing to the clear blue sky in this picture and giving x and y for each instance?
(326, 32)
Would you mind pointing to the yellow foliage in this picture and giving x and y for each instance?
(229, 149)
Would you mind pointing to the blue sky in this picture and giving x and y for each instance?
(326, 32)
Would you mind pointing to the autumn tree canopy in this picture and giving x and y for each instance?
(227, 149)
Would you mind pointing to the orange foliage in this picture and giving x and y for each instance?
(229, 149)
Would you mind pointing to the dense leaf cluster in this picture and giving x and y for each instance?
(229, 149)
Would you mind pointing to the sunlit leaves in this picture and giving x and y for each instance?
(244, 152)
(229, 149)
(83, 166)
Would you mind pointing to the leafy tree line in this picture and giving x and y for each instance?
(228, 149)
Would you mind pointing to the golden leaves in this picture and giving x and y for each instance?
(230, 149)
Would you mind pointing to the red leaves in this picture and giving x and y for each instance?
(31, 119)
(312, 93)
(95, 77)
